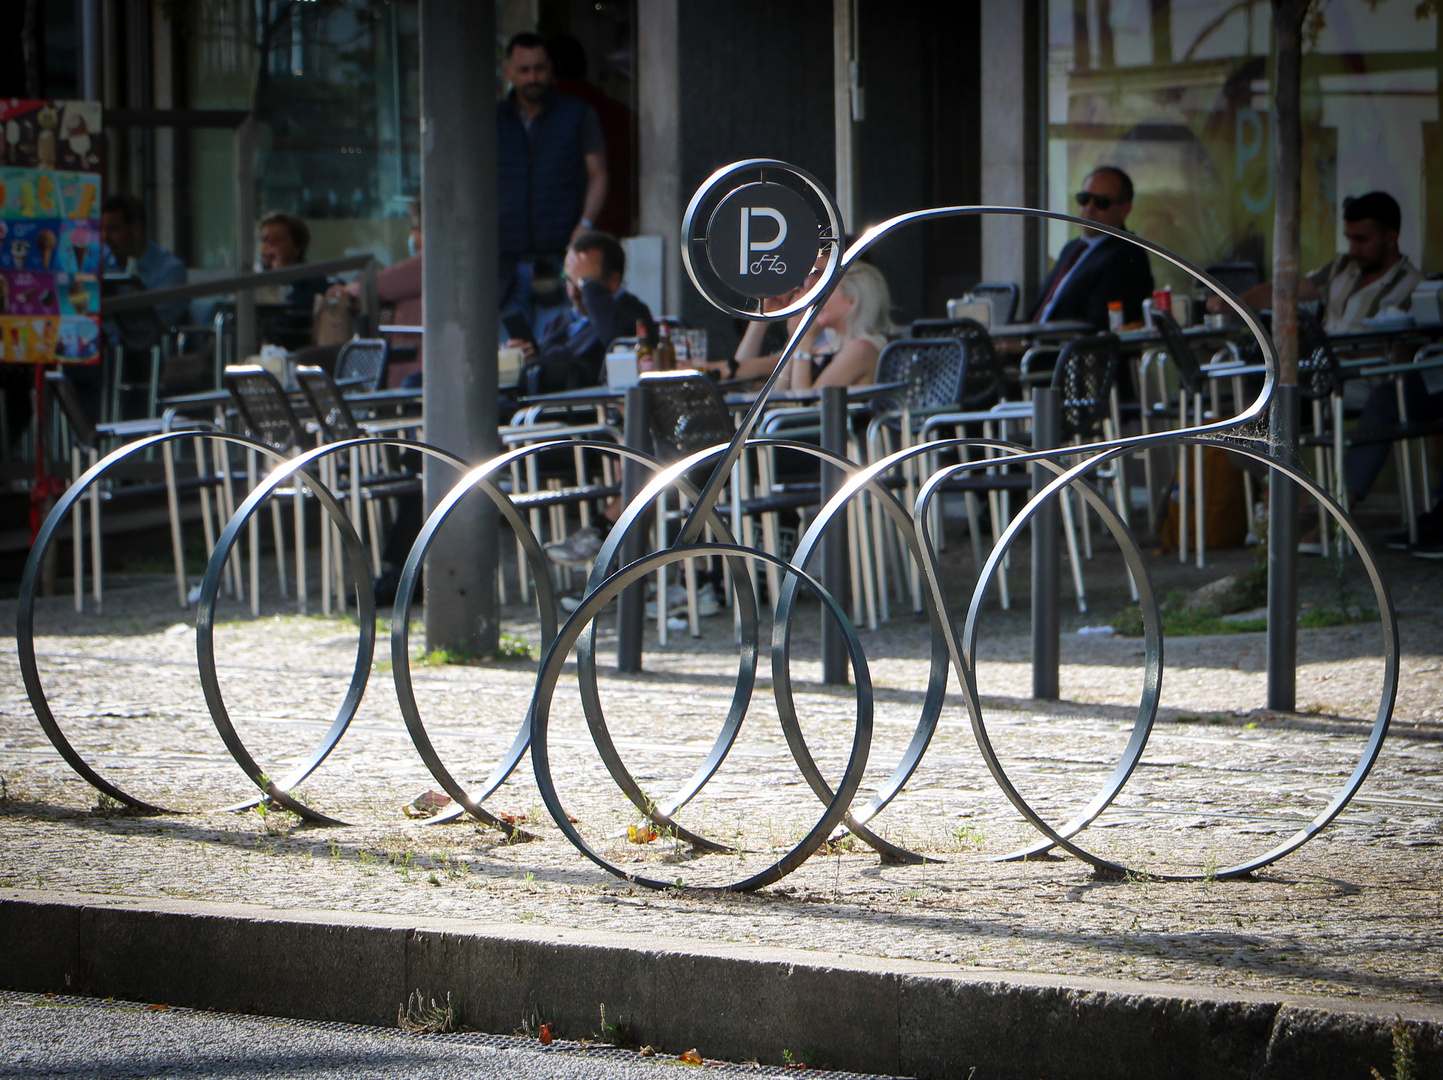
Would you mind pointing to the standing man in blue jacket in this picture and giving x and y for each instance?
(551, 165)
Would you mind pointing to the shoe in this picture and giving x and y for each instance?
(675, 598)
(706, 603)
(1397, 541)
(1431, 548)
(577, 550)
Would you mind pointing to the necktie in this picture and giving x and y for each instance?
(1067, 262)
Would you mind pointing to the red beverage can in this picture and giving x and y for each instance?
(1162, 299)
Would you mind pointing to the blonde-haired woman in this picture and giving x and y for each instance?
(840, 348)
(857, 314)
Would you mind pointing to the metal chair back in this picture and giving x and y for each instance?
(327, 405)
(687, 413)
(1320, 374)
(1237, 276)
(1085, 373)
(1189, 371)
(263, 406)
(1002, 295)
(934, 370)
(82, 428)
(362, 358)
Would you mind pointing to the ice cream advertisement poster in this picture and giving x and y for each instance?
(50, 257)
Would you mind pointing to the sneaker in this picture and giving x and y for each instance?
(1431, 548)
(675, 598)
(577, 550)
(706, 602)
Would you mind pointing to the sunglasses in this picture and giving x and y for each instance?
(1104, 202)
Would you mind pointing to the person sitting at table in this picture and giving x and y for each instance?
(839, 349)
(1096, 268)
(400, 286)
(1371, 277)
(572, 352)
(842, 346)
(284, 239)
(127, 247)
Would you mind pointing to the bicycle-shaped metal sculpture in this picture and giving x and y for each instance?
(754, 231)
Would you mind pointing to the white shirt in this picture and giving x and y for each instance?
(1345, 305)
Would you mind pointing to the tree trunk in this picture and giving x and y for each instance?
(1288, 16)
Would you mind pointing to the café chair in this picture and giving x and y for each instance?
(934, 371)
(361, 364)
(268, 417)
(687, 413)
(1194, 379)
(368, 480)
(87, 439)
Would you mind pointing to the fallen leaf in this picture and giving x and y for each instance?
(643, 835)
(691, 1057)
(512, 819)
(646, 1051)
(157, 1008)
(546, 1035)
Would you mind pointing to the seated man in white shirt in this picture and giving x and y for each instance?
(1371, 277)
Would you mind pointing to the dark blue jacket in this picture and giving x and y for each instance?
(1116, 270)
(542, 176)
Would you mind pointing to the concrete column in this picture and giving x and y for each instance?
(844, 59)
(458, 201)
(1011, 98)
(162, 222)
(659, 123)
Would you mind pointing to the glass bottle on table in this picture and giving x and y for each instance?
(665, 351)
(645, 358)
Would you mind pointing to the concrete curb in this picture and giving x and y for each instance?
(744, 1003)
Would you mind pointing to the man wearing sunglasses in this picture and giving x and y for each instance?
(1096, 269)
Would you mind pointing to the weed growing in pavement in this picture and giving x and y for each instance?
(969, 836)
(107, 805)
(419, 1018)
(618, 1032)
(508, 647)
(1210, 868)
(4, 792)
(1405, 1053)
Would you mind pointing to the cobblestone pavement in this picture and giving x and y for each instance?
(1356, 912)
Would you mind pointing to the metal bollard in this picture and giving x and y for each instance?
(631, 604)
(834, 574)
(1046, 552)
(1283, 554)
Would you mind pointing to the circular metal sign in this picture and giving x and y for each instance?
(762, 240)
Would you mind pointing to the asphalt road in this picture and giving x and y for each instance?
(70, 1037)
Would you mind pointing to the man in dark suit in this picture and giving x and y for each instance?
(1096, 269)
